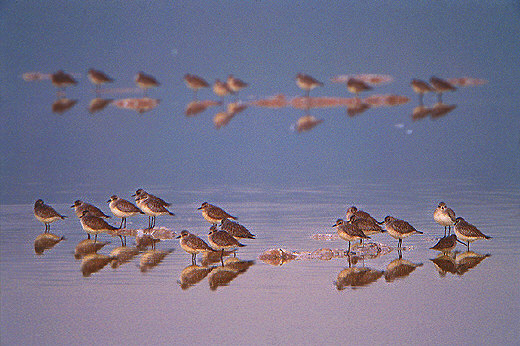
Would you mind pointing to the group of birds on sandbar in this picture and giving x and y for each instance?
(93, 222)
(361, 225)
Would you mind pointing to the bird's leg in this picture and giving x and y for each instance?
(222, 257)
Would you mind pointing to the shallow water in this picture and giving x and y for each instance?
(46, 298)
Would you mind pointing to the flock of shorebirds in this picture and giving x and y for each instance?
(359, 225)
(356, 84)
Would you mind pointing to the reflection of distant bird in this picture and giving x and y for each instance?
(444, 216)
(195, 83)
(46, 241)
(441, 86)
(348, 232)
(94, 225)
(235, 84)
(98, 78)
(236, 229)
(467, 232)
(214, 214)
(357, 277)
(446, 244)
(399, 229)
(61, 79)
(79, 206)
(193, 244)
(46, 214)
(399, 268)
(421, 87)
(145, 81)
(193, 274)
(356, 86)
(307, 83)
(221, 89)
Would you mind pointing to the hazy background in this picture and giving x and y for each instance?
(47, 155)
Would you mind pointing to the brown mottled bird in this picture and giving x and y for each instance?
(61, 79)
(195, 83)
(94, 225)
(145, 81)
(192, 244)
(399, 229)
(356, 86)
(214, 214)
(444, 216)
(348, 232)
(446, 244)
(441, 86)
(236, 229)
(79, 206)
(307, 83)
(46, 214)
(222, 240)
(98, 78)
(221, 89)
(421, 87)
(235, 84)
(467, 232)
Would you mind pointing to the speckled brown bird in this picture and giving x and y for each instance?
(46, 214)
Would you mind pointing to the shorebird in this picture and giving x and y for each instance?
(192, 244)
(348, 232)
(441, 86)
(222, 240)
(145, 81)
(444, 216)
(79, 206)
(143, 193)
(446, 244)
(98, 78)
(195, 83)
(307, 83)
(94, 225)
(399, 229)
(151, 207)
(421, 87)
(214, 214)
(122, 208)
(359, 213)
(235, 229)
(46, 214)
(467, 232)
(368, 225)
(235, 84)
(356, 86)
(221, 89)
(61, 80)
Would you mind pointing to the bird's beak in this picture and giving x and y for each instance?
(199, 208)
(177, 237)
(109, 201)
(72, 206)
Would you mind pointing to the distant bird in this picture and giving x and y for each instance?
(444, 216)
(421, 87)
(79, 206)
(214, 214)
(94, 225)
(98, 78)
(151, 207)
(467, 232)
(235, 229)
(441, 86)
(307, 83)
(46, 214)
(195, 83)
(353, 210)
(356, 86)
(61, 80)
(235, 84)
(221, 89)
(446, 244)
(143, 193)
(145, 81)
(192, 244)
(399, 229)
(122, 208)
(222, 240)
(348, 232)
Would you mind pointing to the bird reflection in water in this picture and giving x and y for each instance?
(356, 277)
(468, 260)
(445, 263)
(192, 275)
(441, 109)
(94, 262)
(88, 246)
(222, 276)
(63, 104)
(420, 112)
(357, 108)
(98, 104)
(196, 107)
(276, 257)
(152, 258)
(399, 268)
(123, 254)
(46, 241)
(143, 240)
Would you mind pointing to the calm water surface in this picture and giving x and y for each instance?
(46, 298)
